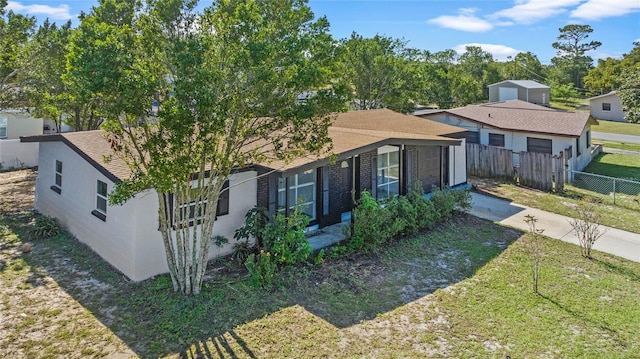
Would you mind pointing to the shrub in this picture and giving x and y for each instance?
(284, 237)
(254, 222)
(372, 224)
(444, 203)
(262, 269)
(241, 251)
(45, 227)
(426, 215)
(405, 217)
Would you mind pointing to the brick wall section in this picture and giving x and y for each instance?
(263, 189)
(366, 170)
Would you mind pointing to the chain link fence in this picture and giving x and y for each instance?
(621, 192)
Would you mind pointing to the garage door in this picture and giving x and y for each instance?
(507, 93)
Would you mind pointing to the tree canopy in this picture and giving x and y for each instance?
(571, 58)
(228, 80)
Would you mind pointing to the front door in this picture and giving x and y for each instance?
(345, 185)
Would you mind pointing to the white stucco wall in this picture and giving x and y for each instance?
(111, 239)
(150, 257)
(616, 113)
(21, 124)
(16, 154)
(129, 238)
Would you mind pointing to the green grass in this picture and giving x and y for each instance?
(615, 165)
(628, 146)
(622, 215)
(461, 290)
(623, 128)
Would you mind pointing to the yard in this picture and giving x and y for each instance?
(461, 290)
(623, 128)
(615, 165)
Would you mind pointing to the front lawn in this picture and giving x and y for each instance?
(461, 290)
(623, 128)
(615, 165)
(622, 215)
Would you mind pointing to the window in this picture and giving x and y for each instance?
(588, 138)
(578, 152)
(190, 208)
(496, 139)
(3, 127)
(606, 106)
(302, 191)
(101, 201)
(472, 137)
(57, 186)
(388, 172)
(539, 145)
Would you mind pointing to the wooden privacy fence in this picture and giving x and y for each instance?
(536, 170)
(489, 161)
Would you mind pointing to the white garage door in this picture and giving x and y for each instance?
(507, 93)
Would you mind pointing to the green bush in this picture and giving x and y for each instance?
(262, 269)
(45, 227)
(284, 237)
(426, 215)
(372, 224)
(447, 200)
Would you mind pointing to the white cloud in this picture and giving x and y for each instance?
(465, 21)
(61, 12)
(530, 11)
(598, 9)
(499, 52)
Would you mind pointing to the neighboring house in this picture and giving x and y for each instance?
(522, 126)
(13, 125)
(378, 150)
(607, 107)
(525, 90)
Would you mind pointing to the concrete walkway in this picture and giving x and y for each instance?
(614, 241)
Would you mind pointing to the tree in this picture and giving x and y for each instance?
(533, 247)
(380, 73)
(436, 72)
(587, 227)
(565, 92)
(474, 69)
(630, 95)
(605, 77)
(49, 94)
(571, 52)
(16, 55)
(228, 78)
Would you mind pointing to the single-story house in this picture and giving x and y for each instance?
(523, 127)
(378, 150)
(525, 90)
(607, 107)
(13, 125)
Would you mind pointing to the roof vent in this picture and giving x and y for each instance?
(489, 115)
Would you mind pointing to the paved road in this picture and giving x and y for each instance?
(624, 152)
(615, 137)
(614, 241)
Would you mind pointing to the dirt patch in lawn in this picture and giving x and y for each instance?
(16, 191)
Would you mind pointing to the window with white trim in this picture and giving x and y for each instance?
(101, 197)
(57, 180)
(302, 191)
(388, 171)
(3, 127)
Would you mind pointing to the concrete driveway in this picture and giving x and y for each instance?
(614, 241)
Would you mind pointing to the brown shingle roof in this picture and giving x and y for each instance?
(351, 132)
(517, 115)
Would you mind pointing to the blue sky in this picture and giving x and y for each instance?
(502, 27)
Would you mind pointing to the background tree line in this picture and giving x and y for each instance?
(41, 67)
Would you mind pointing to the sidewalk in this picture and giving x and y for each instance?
(614, 241)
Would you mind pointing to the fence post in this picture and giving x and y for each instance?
(614, 191)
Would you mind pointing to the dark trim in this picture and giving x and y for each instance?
(56, 189)
(370, 147)
(99, 215)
